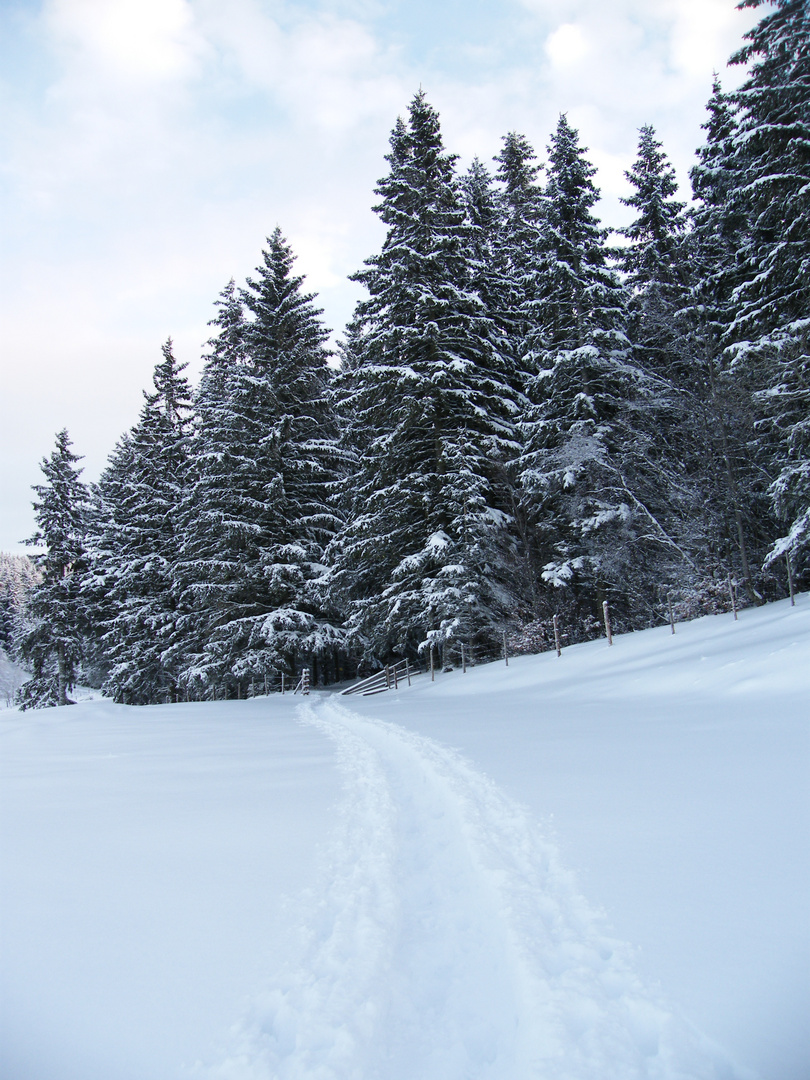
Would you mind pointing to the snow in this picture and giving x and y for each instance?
(144, 856)
(586, 867)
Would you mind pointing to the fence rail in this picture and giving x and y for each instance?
(390, 678)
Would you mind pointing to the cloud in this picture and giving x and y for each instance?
(701, 32)
(567, 45)
(149, 146)
(138, 40)
(328, 72)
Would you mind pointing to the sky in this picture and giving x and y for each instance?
(148, 148)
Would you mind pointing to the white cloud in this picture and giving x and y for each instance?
(700, 32)
(567, 45)
(130, 39)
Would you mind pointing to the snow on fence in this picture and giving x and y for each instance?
(303, 683)
(391, 676)
(388, 679)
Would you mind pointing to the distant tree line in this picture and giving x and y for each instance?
(523, 421)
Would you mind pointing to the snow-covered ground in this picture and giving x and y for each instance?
(587, 867)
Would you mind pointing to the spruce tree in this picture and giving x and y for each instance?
(520, 242)
(655, 265)
(18, 575)
(654, 260)
(771, 170)
(720, 404)
(52, 642)
(429, 391)
(135, 540)
(593, 488)
(486, 255)
(257, 519)
(769, 337)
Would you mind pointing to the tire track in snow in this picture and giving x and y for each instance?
(447, 943)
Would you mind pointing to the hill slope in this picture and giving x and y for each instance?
(433, 928)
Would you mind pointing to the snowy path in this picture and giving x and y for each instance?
(446, 943)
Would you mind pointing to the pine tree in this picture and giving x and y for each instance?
(429, 391)
(721, 406)
(520, 243)
(677, 425)
(257, 517)
(486, 255)
(135, 540)
(52, 642)
(18, 576)
(654, 260)
(769, 337)
(772, 166)
(593, 486)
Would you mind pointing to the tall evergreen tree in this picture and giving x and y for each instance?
(520, 241)
(257, 517)
(772, 166)
(588, 469)
(679, 431)
(721, 404)
(430, 393)
(135, 541)
(18, 575)
(52, 642)
(486, 254)
(769, 337)
(654, 259)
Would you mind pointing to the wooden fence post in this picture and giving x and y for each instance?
(606, 613)
(432, 675)
(505, 653)
(557, 636)
(733, 596)
(671, 612)
(790, 579)
(282, 682)
(408, 670)
(463, 660)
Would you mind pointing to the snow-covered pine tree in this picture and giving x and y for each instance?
(721, 405)
(593, 488)
(18, 575)
(520, 243)
(134, 543)
(771, 171)
(257, 519)
(654, 261)
(769, 337)
(51, 643)
(429, 393)
(485, 253)
(678, 428)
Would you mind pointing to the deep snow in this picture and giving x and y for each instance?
(432, 927)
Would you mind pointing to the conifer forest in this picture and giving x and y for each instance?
(526, 417)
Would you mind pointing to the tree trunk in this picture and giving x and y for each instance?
(62, 673)
(731, 483)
